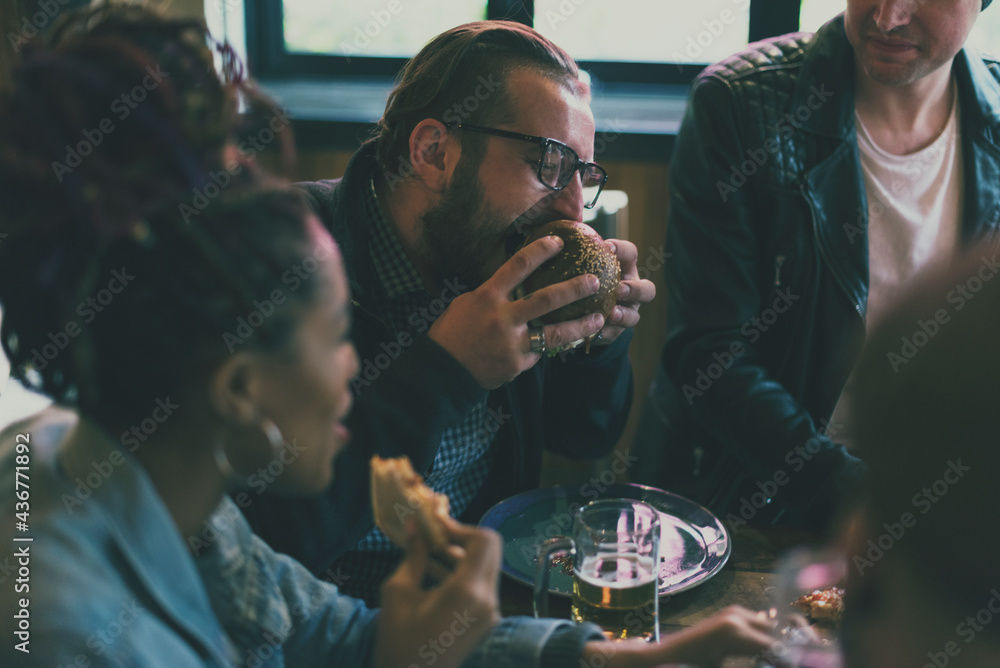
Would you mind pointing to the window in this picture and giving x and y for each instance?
(815, 13)
(332, 61)
(641, 31)
(985, 37)
(372, 28)
(647, 41)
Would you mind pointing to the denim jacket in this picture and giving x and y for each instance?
(111, 582)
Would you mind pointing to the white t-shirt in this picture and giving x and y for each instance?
(914, 214)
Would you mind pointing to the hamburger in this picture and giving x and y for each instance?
(584, 252)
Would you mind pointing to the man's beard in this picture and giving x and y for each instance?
(895, 74)
(461, 237)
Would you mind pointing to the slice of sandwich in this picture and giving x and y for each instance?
(398, 493)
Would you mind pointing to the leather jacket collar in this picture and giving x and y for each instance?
(832, 185)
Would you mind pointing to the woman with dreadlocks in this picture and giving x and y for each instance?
(180, 348)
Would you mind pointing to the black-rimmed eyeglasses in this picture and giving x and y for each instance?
(557, 163)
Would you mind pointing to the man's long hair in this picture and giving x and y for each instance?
(461, 76)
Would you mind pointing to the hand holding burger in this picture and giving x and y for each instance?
(613, 262)
(486, 330)
(584, 252)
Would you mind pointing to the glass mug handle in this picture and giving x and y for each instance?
(552, 546)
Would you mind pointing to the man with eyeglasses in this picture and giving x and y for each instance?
(557, 163)
(813, 177)
(487, 134)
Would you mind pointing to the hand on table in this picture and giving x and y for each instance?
(486, 330)
(733, 631)
(464, 605)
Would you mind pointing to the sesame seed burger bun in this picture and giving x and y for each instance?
(584, 252)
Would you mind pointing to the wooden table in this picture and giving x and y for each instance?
(745, 580)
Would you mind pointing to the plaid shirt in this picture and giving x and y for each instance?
(464, 456)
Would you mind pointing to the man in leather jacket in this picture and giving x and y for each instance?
(812, 177)
(454, 374)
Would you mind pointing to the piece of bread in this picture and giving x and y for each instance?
(398, 493)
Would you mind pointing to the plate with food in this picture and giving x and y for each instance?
(694, 545)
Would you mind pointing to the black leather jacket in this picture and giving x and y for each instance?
(768, 281)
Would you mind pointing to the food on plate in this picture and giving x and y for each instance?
(584, 252)
(399, 492)
(822, 605)
(564, 561)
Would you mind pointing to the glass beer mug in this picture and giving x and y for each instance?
(615, 550)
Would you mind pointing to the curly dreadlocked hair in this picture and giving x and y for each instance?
(113, 292)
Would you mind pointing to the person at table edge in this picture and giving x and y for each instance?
(464, 164)
(813, 175)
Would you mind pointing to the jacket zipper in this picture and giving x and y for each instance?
(836, 276)
(371, 314)
(778, 261)
(698, 453)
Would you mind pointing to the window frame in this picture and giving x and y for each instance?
(268, 58)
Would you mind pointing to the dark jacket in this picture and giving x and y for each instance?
(408, 395)
(768, 282)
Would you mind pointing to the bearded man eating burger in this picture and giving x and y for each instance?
(454, 375)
